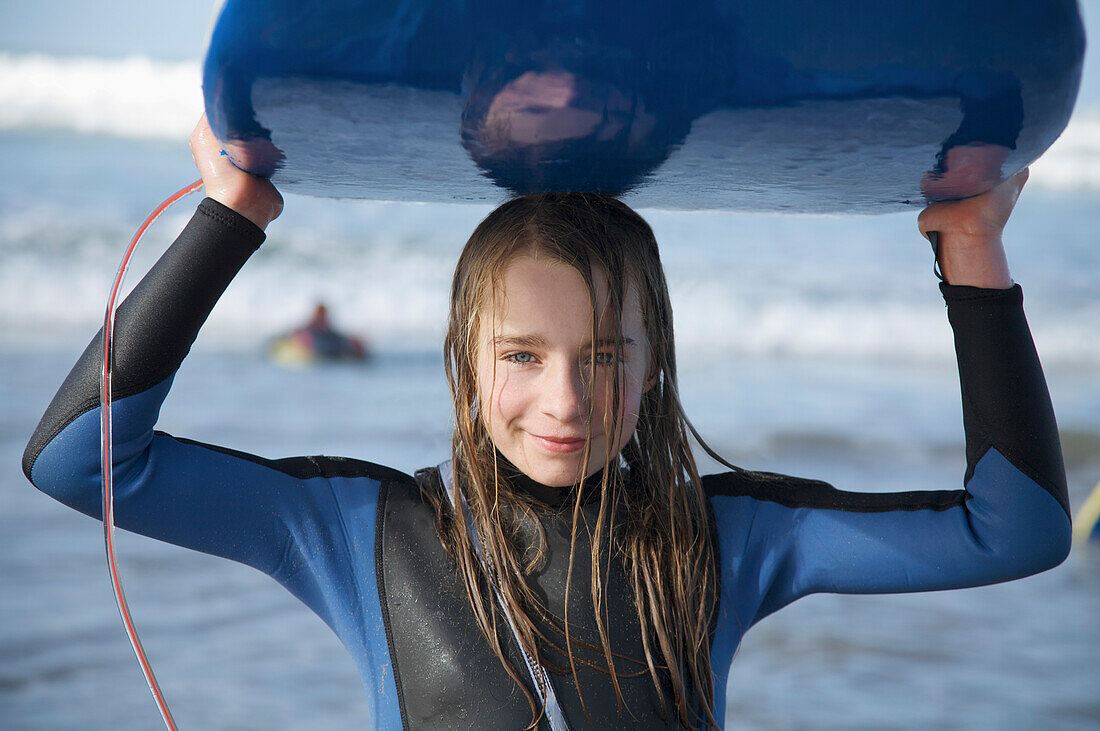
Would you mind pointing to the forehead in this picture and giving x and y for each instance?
(538, 292)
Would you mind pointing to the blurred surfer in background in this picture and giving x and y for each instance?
(317, 341)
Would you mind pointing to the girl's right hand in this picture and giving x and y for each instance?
(254, 198)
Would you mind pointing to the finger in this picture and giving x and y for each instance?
(201, 127)
(932, 217)
(1003, 198)
(210, 159)
(1020, 179)
(1010, 188)
(202, 137)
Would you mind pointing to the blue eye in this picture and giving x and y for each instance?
(521, 358)
(605, 359)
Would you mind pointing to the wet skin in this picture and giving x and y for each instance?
(533, 370)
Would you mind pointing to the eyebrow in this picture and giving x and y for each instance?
(537, 341)
(521, 341)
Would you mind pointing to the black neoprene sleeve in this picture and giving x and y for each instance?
(156, 325)
(997, 356)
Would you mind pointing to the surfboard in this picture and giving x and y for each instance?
(777, 105)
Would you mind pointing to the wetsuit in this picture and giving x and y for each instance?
(357, 543)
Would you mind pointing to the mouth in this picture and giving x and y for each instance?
(559, 445)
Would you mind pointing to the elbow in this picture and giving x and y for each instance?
(66, 469)
(29, 456)
(1048, 534)
(43, 479)
(39, 440)
(1045, 544)
(1021, 527)
(1055, 544)
(81, 492)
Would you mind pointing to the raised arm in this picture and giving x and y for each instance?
(1011, 519)
(308, 522)
(166, 488)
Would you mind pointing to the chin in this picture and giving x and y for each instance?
(554, 476)
(563, 474)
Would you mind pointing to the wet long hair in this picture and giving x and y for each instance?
(652, 512)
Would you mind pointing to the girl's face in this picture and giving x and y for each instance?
(533, 370)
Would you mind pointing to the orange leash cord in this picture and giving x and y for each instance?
(106, 455)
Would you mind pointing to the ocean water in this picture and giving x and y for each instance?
(816, 346)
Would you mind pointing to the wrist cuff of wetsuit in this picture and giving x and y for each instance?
(227, 217)
(953, 293)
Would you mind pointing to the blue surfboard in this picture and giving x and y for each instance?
(779, 105)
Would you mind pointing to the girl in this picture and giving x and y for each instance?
(567, 566)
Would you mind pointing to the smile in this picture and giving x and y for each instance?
(560, 445)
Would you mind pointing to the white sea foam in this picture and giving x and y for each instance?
(1073, 161)
(392, 288)
(138, 97)
(133, 97)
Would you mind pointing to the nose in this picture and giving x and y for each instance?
(565, 393)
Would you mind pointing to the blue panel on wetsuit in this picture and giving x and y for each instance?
(772, 554)
(781, 105)
(314, 536)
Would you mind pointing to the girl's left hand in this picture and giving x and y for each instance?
(971, 251)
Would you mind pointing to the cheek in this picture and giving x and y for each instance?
(501, 396)
(506, 399)
(631, 402)
(630, 396)
(485, 382)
